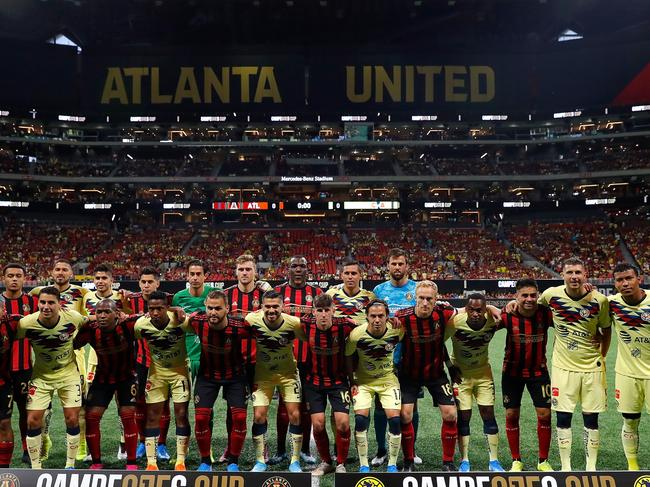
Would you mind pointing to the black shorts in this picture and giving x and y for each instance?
(20, 382)
(100, 395)
(440, 390)
(539, 389)
(6, 400)
(206, 391)
(316, 398)
(142, 373)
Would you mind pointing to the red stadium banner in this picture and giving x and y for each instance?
(240, 205)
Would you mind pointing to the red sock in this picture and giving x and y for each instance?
(228, 432)
(282, 425)
(6, 450)
(448, 436)
(141, 417)
(408, 441)
(127, 415)
(544, 437)
(323, 445)
(238, 432)
(165, 418)
(93, 435)
(202, 430)
(342, 446)
(512, 432)
(305, 426)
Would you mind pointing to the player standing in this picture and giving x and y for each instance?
(630, 311)
(350, 300)
(422, 365)
(373, 374)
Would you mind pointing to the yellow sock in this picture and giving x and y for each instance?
(361, 439)
(259, 443)
(564, 439)
(463, 446)
(394, 444)
(630, 439)
(34, 449)
(296, 446)
(71, 449)
(182, 443)
(592, 444)
(493, 446)
(150, 447)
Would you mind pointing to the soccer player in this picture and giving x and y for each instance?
(580, 318)
(422, 365)
(148, 282)
(369, 361)
(471, 332)
(524, 366)
(17, 302)
(51, 331)
(192, 300)
(399, 293)
(350, 300)
(630, 312)
(297, 299)
(167, 374)
(7, 336)
(222, 367)
(274, 333)
(113, 342)
(326, 379)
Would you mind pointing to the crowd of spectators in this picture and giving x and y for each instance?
(149, 167)
(524, 166)
(369, 167)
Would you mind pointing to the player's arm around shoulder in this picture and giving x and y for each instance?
(139, 325)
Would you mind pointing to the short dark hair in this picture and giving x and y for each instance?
(109, 302)
(397, 252)
(271, 294)
(51, 291)
(377, 302)
(526, 282)
(477, 296)
(624, 266)
(218, 294)
(351, 261)
(149, 271)
(107, 268)
(323, 301)
(197, 263)
(573, 260)
(158, 295)
(64, 261)
(14, 265)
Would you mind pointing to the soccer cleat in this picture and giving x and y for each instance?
(464, 466)
(162, 453)
(151, 466)
(121, 454)
(26, 460)
(204, 467)
(408, 467)
(295, 467)
(232, 467)
(141, 451)
(391, 469)
(97, 466)
(45, 448)
(131, 467)
(82, 451)
(544, 466)
(378, 459)
(70, 468)
(259, 467)
(322, 469)
(88, 458)
(449, 467)
(495, 466)
(307, 458)
(517, 466)
(279, 458)
(340, 468)
(417, 460)
(180, 467)
(364, 469)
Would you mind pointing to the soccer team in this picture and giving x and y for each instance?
(348, 347)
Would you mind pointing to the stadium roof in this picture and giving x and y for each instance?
(464, 24)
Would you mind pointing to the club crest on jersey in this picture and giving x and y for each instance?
(645, 316)
(27, 309)
(585, 313)
(308, 298)
(359, 305)
(64, 337)
(256, 303)
(389, 347)
(283, 341)
(172, 338)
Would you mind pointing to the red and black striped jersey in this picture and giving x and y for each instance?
(221, 350)
(298, 301)
(326, 363)
(21, 350)
(7, 337)
(526, 337)
(139, 306)
(115, 357)
(241, 304)
(423, 356)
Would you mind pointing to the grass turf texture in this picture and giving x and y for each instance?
(611, 456)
